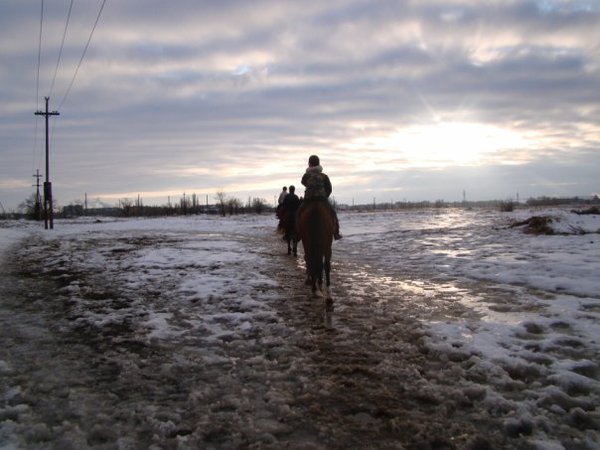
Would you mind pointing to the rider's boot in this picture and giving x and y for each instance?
(336, 233)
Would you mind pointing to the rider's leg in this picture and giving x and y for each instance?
(336, 230)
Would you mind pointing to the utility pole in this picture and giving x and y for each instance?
(37, 211)
(48, 212)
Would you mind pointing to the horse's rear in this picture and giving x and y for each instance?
(288, 223)
(315, 226)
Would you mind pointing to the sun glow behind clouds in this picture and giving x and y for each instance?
(446, 144)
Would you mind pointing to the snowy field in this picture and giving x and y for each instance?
(451, 329)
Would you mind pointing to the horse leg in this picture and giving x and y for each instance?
(315, 283)
(327, 264)
(328, 302)
(289, 247)
(316, 289)
(327, 292)
(295, 247)
(328, 299)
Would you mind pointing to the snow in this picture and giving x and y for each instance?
(551, 285)
(516, 314)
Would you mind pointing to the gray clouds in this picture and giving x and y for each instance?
(249, 90)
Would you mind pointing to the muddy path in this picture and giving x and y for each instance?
(83, 366)
(376, 383)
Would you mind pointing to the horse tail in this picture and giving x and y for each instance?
(315, 227)
(316, 242)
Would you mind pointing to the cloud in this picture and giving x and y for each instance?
(235, 95)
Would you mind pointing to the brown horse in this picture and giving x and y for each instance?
(315, 225)
(288, 224)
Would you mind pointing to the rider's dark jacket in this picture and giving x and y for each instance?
(317, 183)
(290, 203)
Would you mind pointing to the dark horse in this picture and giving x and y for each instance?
(315, 225)
(288, 223)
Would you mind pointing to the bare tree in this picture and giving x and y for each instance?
(30, 207)
(221, 202)
(126, 206)
(234, 205)
(259, 205)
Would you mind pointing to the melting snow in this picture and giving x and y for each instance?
(525, 344)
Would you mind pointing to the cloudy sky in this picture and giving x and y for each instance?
(402, 100)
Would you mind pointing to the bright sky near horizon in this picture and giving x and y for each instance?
(402, 100)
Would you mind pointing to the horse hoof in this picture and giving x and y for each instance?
(329, 304)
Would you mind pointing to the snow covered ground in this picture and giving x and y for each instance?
(451, 329)
(536, 339)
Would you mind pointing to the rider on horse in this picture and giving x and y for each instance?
(280, 200)
(318, 187)
(290, 205)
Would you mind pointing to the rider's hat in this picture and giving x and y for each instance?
(313, 161)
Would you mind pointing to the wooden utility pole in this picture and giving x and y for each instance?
(48, 212)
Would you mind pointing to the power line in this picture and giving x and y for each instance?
(37, 84)
(62, 44)
(83, 54)
(39, 60)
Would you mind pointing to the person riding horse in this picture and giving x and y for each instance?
(318, 187)
(280, 200)
(290, 205)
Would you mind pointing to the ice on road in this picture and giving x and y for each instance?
(451, 329)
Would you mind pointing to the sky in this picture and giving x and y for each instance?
(402, 100)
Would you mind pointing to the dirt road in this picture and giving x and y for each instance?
(82, 364)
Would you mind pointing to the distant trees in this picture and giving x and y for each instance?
(232, 205)
(259, 205)
(507, 206)
(190, 204)
(225, 205)
(31, 207)
(503, 205)
(221, 202)
(556, 201)
(187, 204)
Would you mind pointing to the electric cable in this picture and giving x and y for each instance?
(39, 59)
(62, 44)
(37, 86)
(82, 56)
